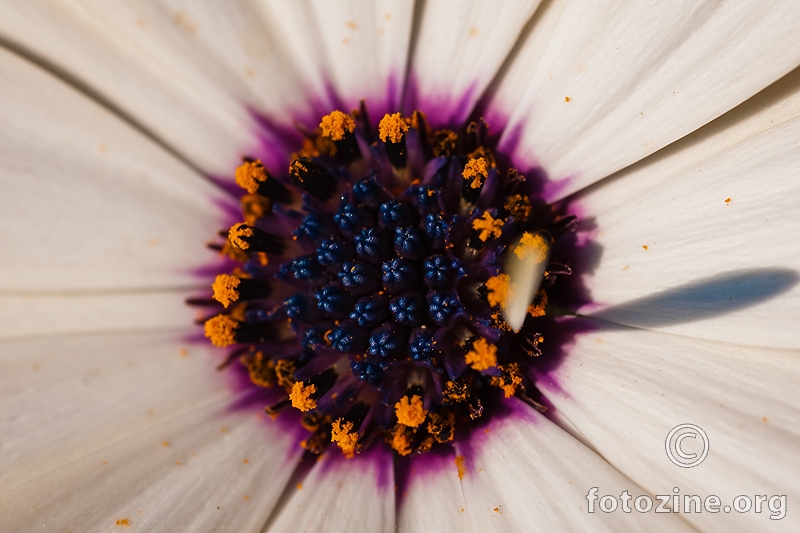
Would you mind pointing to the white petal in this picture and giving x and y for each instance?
(432, 500)
(342, 495)
(89, 202)
(778, 103)
(459, 48)
(189, 73)
(26, 316)
(625, 389)
(526, 474)
(62, 397)
(366, 45)
(508, 87)
(684, 259)
(619, 81)
(182, 475)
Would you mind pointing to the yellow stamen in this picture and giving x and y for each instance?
(531, 245)
(225, 289)
(250, 174)
(221, 330)
(316, 442)
(455, 392)
(488, 226)
(444, 142)
(284, 371)
(498, 322)
(335, 124)
(314, 420)
(477, 170)
(418, 120)
(236, 233)
(345, 437)
(509, 381)
(486, 153)
(519, 207)
(260, 368)
(309, 149)
(401, 439)
(482, 356)
(539, 304)
(442, 426)
(499, 289)
(301, 396)
(392, 127)
(410, 412)
(254, 206)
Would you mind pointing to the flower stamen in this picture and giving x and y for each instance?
(482, 356)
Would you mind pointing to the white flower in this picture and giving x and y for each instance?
(675, 124)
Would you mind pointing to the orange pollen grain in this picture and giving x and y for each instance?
(531, 245)
(301, 396)
(260, 368)
(476, 170)
(250, 174)
(225, 287)
(344, 436)
(123, 522)
(236, 233)
(499, 288)
(336, 124)
(459, 460)
(410, 411)
(488, 226)
(392, 128)
(482, 356)
(221, 330)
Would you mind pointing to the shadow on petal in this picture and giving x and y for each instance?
(702, 299)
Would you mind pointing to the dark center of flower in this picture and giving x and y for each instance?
(389, 283)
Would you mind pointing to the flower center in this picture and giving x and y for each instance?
(391, 283)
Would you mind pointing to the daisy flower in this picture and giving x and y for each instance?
(529, 238)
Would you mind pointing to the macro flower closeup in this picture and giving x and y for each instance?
(352, 265)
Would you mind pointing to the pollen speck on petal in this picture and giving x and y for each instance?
(459, 461)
